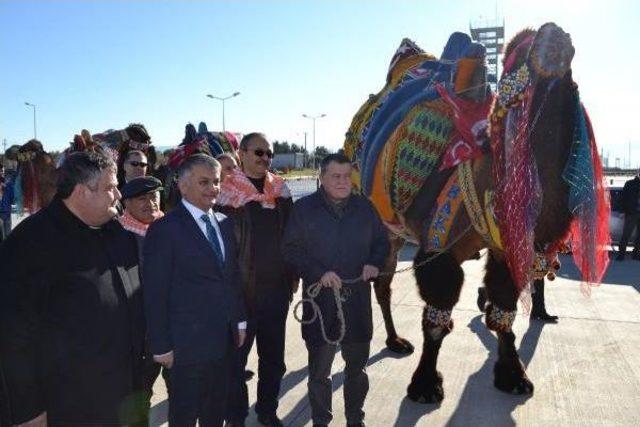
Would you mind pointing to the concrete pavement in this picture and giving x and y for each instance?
(586, 369)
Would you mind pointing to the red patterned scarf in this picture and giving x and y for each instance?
(237, 190)
(129, 223)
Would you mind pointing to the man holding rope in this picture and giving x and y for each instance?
(337, 244)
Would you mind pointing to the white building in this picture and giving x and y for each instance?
(288, 161)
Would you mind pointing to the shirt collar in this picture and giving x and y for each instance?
(195, 211)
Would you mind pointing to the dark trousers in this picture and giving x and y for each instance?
(266, 326)
(631, 221)
(356, 381)
(199, 392)
(150, 372)
(537, 298)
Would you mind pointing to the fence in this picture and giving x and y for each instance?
(302, 186)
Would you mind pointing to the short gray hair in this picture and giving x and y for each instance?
(196, 160)
(83, 167)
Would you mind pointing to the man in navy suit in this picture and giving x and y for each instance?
(195, 312)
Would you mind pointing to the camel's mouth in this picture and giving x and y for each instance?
(551, 52)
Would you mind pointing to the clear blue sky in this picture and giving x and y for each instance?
(101, 65)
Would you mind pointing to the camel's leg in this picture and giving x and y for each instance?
(382, 287)
(509, 372)
(439, 282)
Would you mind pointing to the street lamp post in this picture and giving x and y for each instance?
(35, 133)
(223, 99)
(313, 119)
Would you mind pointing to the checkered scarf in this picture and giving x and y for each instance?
(237, 190)
(129, 223)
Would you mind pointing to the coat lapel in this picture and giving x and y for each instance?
(195, 233)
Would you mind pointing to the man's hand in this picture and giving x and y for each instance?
(39, 421)
(331, 280)
(369, 272)
(165, 360)
(242, 336)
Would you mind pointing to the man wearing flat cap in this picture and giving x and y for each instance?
(141, 199)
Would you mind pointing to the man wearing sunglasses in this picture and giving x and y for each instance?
(135, 165)
(259, 202)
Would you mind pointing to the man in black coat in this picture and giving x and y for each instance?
(71, 314)
(631, 209)
(193, 299)
(259, 202)
(334, 236)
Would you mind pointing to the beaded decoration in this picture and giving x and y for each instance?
(433, 317)
(499, 320)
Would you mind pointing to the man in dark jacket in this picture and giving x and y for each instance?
(141, 200)
(192, 296)
(631, 209)
(259, 202)
(71, 315)
(334, 236)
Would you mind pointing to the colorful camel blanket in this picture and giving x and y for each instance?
(418, 124)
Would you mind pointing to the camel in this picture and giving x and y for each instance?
(519, 186)
(37, 171)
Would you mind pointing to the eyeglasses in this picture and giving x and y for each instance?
(260, 152)
(140, 164)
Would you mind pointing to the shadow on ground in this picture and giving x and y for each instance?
(618, 273)
(480, 403)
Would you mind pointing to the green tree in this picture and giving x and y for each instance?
(322, 152)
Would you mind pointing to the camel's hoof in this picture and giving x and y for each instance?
(399, 345)
(511, 379)
(426, 390)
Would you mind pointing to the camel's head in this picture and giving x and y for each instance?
(546, 53)
(545, 159)
(30, 151)
(551, 52)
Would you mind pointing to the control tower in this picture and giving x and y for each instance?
(491, 35)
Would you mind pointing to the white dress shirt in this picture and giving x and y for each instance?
(197, 213)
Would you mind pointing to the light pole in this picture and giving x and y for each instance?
(223, 99)
(35, 133)
(313, 119)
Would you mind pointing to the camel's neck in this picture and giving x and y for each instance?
(551, 140)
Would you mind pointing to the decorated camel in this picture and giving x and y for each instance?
(195, 142)
(457, 170)
(35, 183)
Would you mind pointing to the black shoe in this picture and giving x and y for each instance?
(544, 317)
(248, 375)
(270, 420)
